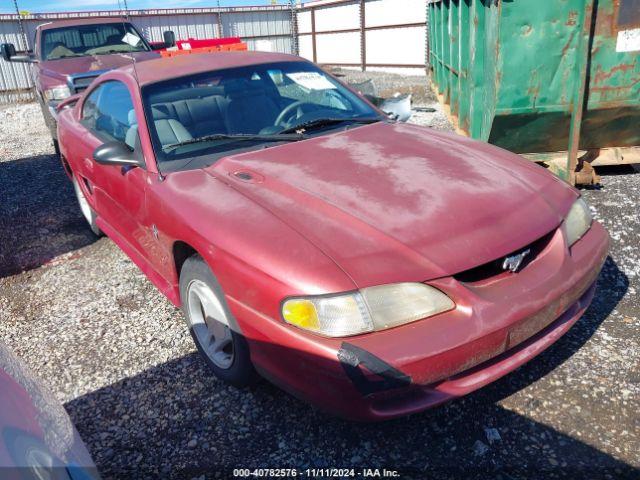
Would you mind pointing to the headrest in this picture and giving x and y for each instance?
(242, 88)
(111, 39)
(158, 113)
(187, 94)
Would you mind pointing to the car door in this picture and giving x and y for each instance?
(117, 192)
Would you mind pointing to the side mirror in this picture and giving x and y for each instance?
(8, 53)
(7, 50)
(169, 39)
(116, 153)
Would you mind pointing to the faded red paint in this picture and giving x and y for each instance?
(52, 73)
(371, 205)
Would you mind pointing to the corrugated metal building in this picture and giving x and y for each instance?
(263, 28)
(366, 34)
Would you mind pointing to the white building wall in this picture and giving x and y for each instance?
(339, 17)
(400, 46)
(388, 12)
(338, 48)
(390, 43)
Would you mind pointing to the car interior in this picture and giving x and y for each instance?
(237, 107)
(86, 40)
(252, 103)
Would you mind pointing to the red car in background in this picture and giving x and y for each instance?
(69, 54)
(371, 267)
(37, 438)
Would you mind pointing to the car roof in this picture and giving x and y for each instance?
(82, 21)
(157, 70)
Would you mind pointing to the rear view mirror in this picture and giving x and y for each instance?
(116, 153)
(169, 39)
(7, 50)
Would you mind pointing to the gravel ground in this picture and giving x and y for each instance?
(117, 354)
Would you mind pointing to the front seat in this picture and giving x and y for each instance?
(169, 130)
(113, 40)
(250, 109)
(58, 49)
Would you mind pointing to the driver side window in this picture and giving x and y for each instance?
(108, 112)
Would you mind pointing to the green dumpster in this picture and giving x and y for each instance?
(555, 80)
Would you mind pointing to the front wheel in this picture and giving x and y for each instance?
(213, 328)
(87, 212)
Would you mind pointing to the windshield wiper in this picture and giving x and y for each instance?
(324, 122)
(278, 137)
(72, 55)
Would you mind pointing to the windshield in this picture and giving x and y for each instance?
(81, 40)
(210, 115)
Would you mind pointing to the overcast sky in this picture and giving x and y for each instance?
(66, 5)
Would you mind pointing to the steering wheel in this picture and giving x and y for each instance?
(288, 113)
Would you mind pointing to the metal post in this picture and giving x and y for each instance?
(363, 37)
(294, 27)
(582, 63)
(219, 17)
(427, 60)
(21, 27)
(313, 35)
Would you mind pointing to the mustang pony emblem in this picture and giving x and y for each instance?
(513, 262)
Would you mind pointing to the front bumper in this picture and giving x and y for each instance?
(50, 115)
(496, 327)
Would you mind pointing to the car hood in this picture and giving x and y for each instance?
(60, 69)
(396, 202)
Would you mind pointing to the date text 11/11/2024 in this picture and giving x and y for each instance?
(315, 473)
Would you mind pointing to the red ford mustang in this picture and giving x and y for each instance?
(373, 268)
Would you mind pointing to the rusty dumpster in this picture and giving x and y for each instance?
(556, 81)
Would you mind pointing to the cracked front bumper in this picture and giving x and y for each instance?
(496, 327)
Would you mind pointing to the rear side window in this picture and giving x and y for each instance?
(108, 112)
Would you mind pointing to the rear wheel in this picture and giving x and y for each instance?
(87, 212)
(213, 328)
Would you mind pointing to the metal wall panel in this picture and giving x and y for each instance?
(15, 78)
(394, 32)
(390, 46)
(185, 26)
(390, 12)
(376, 34)
(341, 16)
(265, 28)
(337, 48)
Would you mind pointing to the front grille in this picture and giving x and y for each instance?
(80, 84)
(493, 270)
(80, 81)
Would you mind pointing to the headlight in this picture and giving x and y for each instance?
(57, 93)
(578, 221)
(367, 310)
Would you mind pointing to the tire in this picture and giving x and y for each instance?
(88, 213)
(212, 326)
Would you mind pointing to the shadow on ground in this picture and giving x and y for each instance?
(178, 418)
(39, 216)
